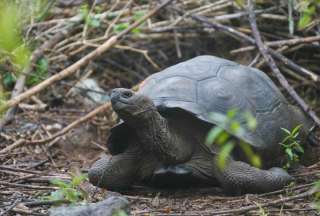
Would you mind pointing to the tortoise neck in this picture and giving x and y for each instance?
(151, 124)
(153, 132)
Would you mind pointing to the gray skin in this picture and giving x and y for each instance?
(164, 152)
(160, 140)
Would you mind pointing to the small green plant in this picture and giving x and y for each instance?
(291, 146)
(226, 142)
(262, 211)
(90, 20)
(40, 72)
(120, 213)
(316, 199)
(307, 10)
(122, 26)
(68, 191)
(15, 51)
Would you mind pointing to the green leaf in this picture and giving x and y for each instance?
(306, 17)
(213, 135)
(77, 180)
(232, 113)
(251, 121)
(256, 161)
(289, 153)
(235, 126)
(71, 195)
(138, 14)
(299, 148)
(8, 80)
(136, 31)
(224, 153)
(60, 183)
(93, 22)
(296, 129)
(240, 3)
(120, 213)
(286, 131)
(222, 139)
(120, 27)
(41, 72)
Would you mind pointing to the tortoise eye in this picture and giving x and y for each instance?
(127, 94)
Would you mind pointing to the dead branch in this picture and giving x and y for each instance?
(280, 43)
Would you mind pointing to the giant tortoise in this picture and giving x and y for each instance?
(160, 138)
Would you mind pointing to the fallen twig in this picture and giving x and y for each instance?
(13, 205)
(73, 124)
(280, 43)
(12, 146)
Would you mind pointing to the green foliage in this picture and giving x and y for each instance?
(12, 44)
(240, 3)
(91, 20)
(226, 142)
(307, 10)
(14, 49)
(261, 211)
(40, 73)
(122, 26)
(316, 201)
(291, 146)
(8, 80)
(120, 213)
(69, 191)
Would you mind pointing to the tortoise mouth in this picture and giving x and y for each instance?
(120, 104)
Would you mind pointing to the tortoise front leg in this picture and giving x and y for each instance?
(115, 172)
(239, 178)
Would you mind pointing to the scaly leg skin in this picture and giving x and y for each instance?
(115, 172)
(239, 178)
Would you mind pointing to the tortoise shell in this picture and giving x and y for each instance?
(208, 84)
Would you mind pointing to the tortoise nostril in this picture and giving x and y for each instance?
(126, 94)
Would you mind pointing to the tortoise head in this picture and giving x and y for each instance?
(130, 105)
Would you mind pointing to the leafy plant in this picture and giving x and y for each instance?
(292, 146)
(226, 142)
(12, 45)
(91, 20)
(316, 201)
(122, 26)
(262, 211)
(307, 10)
(40, 73)
(69, 191)
(120, 213)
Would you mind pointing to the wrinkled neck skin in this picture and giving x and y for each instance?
(154, 134)
(151, 127)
